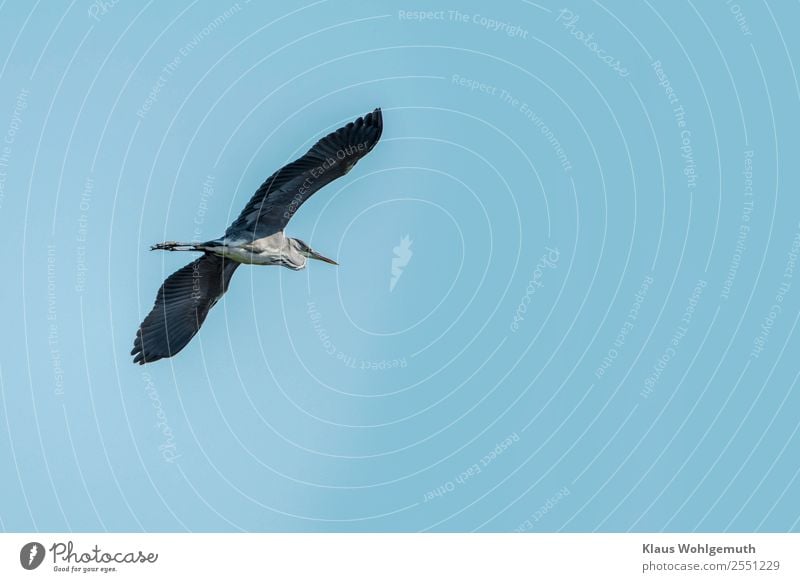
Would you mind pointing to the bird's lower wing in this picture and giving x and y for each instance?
(181, 306)
(279, 197)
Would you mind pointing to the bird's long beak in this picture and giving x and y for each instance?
(319, 257)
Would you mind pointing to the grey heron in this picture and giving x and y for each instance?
(256, 237)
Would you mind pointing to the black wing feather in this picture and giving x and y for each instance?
(181, 306)
(279, 197)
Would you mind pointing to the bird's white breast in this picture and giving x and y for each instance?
(262, 251)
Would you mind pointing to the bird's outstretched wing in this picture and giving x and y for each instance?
(181, 306)
(284, 192)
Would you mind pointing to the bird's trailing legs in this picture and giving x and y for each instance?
(176, 246)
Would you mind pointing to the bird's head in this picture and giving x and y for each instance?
(307, 251)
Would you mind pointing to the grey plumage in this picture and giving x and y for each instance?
(255, 237)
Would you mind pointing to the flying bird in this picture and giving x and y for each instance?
(256, 237)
